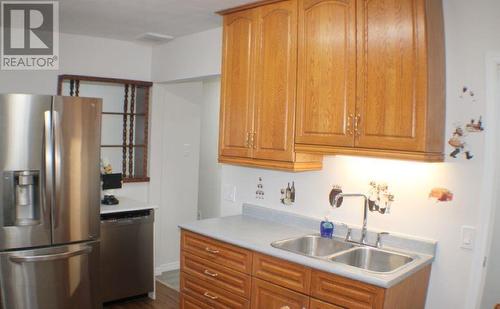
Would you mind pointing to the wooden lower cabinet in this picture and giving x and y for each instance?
(230, 277)
(268, 295)
(318, 304)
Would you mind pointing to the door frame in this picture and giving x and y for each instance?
(491, 177)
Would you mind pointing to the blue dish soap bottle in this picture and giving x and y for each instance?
(326, 228)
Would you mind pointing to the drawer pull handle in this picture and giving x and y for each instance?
(285, 307)
(211, 274)
(206, 294)
(211, 250)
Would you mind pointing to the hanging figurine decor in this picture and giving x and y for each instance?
(458, 139)
(468, 93)
(379, 198)
(441, 195)
(459, 135)
(259, 194)
(288, 194)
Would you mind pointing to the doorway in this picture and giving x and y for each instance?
(490, 295)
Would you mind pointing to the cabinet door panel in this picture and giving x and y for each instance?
(391, 74)
(327, 72)
(237, 78)
(276, 81)
(270, 296)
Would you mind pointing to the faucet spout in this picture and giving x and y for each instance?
(337, 203)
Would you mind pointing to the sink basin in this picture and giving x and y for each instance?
(313, 245)
(372, 259)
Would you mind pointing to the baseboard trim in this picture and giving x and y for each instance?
(167, 267)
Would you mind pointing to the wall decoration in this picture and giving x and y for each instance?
(288, 194)
(468, 93)
(259, 194)
(336, 190)
(457, 141)
(459, 136)
(475, 126)
(441, 195)
(379, 198)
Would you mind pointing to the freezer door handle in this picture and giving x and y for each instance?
(48, 167)
(49, 257)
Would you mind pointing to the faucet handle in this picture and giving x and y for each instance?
(378, 244)
(349, 231)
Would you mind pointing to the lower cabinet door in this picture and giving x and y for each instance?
(189, 302)
(269, 296)
(210, 295)
(318, 304)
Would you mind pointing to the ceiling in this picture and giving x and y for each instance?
(128, 19)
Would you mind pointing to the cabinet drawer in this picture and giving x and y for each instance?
(218, 252)
(345, 292)
(280, 272)
(211, 295)
(318, 304)
(220, 276)
(266, 295)
(188, 302)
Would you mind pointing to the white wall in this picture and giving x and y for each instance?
(192, 56)
(471, 29)
(175, 152)
(84, 55)
(210, 169)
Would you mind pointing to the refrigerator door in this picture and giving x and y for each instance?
(61, 277)
(25, 170)
(77, 139)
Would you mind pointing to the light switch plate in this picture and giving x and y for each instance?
(229, 193)
(468, 234)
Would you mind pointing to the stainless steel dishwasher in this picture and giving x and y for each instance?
(126, 254)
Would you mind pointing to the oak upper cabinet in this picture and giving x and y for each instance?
(389, 101)
(259, 83)
(400, 76)
(326, 72)
(237, 104)
(275, 82)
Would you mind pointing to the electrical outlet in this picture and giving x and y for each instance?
(229, 193)
(468, 234)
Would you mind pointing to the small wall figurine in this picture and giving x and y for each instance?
(475, 126)
(379, 198)
(259, 194)
(457, 141)
(467, 92)
(441, 194)
(288, 194)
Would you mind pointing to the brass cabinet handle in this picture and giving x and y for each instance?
(357, 120)
(349, 120)
(252, 140)
(206, 294)
(247, 140)
(214, 251)
(211, 274)
(285, 307)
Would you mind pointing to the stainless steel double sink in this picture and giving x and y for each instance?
(352, 254)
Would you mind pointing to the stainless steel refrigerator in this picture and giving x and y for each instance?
(49, 201)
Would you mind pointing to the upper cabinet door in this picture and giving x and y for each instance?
(392, 75)
(237, 75)
(275, 81)
(326, 72)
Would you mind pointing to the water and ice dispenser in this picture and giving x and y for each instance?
(21, 198)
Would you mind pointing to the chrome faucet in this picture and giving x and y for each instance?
(336, 203)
